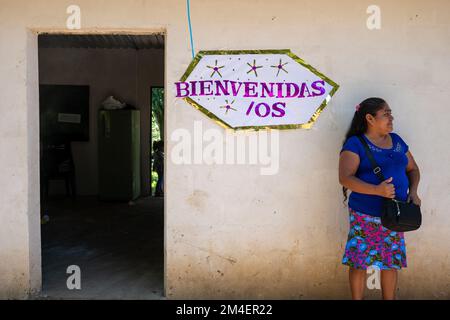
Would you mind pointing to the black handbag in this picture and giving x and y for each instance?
(397, 215)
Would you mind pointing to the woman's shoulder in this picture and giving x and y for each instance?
(355, 140)
(352, 144)
(397, 139)
(396, 135)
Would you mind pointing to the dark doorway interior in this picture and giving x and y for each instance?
(96, 214)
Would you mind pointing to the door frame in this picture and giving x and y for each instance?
(34, 203)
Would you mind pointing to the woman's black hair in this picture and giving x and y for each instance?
(359, 122)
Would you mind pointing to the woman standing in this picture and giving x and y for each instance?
(369, 243)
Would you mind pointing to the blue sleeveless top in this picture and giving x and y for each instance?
(393, 164)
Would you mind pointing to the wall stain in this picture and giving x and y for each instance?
(197, 199)
(229, 259)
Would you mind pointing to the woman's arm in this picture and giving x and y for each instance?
(413, 173)
(348, 165)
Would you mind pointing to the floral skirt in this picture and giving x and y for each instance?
(371, 244)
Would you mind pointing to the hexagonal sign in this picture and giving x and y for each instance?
(256, 89)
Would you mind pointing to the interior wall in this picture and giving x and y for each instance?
(127, 74)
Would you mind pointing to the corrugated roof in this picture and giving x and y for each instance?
(105, 41)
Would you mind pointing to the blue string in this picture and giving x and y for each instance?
(190, 27)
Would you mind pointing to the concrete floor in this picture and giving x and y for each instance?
(118, 247)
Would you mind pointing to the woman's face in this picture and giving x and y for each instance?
(383, 120)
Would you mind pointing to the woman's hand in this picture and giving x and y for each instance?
(386, 189)
(414, 198)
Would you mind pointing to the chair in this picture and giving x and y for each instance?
(57, 164)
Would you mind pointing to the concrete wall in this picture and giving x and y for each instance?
(126, 74)
(231, 232)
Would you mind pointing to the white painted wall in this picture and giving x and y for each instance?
(231, 232)
(126, 74)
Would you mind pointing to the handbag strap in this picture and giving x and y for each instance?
(375, 166)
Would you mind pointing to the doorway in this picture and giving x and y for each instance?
(102, 230)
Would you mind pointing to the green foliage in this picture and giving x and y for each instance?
(156, 133)
(154, 181)
(157, 126)
(158, 110)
